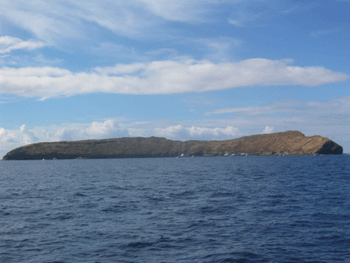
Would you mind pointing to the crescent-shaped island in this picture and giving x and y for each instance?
(282, 143)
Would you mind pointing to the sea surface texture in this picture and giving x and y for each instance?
(214, 209)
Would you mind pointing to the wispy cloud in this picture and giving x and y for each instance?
(321, 109)
(56, 20)
(9, 44)
(285, 107)
(318, 33)
(246, 13)
(111, 52)
(161, 77)
(327, 118)
(234, 22)
(217, 49)
(27, 59)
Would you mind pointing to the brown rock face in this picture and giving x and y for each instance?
(287, 143)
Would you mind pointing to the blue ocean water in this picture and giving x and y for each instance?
(213, 209)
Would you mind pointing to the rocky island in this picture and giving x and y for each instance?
(282, 143)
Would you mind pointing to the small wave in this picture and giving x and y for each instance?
(119, 208)
(80, 195)
(243, 257)
(156, 199)
(88, 205)
(184, 194)
(2, 213)
(63, 216)
(223, 194)
(139, 244)
(201, 223)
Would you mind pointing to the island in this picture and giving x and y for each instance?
(281, 143)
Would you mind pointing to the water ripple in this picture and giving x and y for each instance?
(253, 209)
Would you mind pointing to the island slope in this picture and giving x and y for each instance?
(287, 143)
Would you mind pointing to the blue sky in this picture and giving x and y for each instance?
(75, 69)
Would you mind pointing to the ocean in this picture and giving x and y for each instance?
(208, 209)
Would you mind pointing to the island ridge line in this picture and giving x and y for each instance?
(282, 143)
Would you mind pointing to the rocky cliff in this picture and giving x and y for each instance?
(287, 143)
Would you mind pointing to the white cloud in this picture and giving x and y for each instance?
(180, 10)
(216, 49)
(95, 130)
(234, 22)
(250, 110)
(106, 129)
(10, 138)
(318, 33)
(197, 133)
(53, 20)
(259, 110)
(8, 44)
(268, 129)
(325, 109)
(244, 15)
(161, 77)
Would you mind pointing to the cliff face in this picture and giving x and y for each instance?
(287, 143)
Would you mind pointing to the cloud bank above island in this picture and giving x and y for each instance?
(314, 117)
(161, 77)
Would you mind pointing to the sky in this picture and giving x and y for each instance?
(184, 70)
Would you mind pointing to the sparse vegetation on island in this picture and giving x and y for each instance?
(282, 143)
